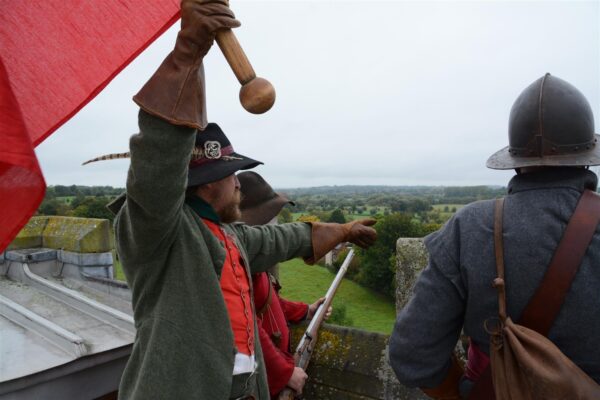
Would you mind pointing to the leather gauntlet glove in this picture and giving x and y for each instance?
(448, 389)
(175, 92)
(325, 236)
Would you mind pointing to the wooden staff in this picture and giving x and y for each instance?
(257, 95)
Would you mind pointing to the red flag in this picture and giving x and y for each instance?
(56, 56)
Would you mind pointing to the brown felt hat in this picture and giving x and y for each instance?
(260, 204)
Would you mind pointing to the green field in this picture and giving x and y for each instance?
(367, 309)
(349, 216)
(441, 207)
(449, 207)
(65, 199)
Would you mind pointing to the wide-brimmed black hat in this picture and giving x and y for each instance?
(260, 204)
(213, 157)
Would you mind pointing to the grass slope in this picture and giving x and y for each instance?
(368, 310)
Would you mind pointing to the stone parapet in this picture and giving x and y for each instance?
(78, 235)
(411, 259)
(352, 364)
(31, 236)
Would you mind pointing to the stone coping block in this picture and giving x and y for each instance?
(78, 235)
(411, 259)
(31, 236)
(349, 363)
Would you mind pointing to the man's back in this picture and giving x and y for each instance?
(462, 263)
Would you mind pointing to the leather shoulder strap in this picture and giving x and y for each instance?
(484, 387)
(499, 253)
(544, 306)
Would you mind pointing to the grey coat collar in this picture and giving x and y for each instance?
(572, 178)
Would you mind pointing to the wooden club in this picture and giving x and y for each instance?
(257, 95)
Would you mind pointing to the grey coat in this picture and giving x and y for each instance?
(184, 346)
(455, 290)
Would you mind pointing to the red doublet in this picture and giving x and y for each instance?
(273, 323)
(235, 286)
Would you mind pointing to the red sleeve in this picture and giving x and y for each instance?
(279, 365)
(294, 311)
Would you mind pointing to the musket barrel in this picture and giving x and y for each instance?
(309, 338)
(320, 313)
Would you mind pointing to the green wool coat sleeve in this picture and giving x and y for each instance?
(267, 245)
(156, 184)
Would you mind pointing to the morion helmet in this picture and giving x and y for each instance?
(550, 124)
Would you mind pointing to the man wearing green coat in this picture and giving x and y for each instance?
(187, 267)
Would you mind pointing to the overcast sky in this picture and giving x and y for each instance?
(368, 93)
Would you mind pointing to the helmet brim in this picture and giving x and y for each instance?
(502, 159)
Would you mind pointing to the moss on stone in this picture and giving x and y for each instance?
(411, 259)
(81, 235)
(331, 349)
(31, 235)
(350, 363)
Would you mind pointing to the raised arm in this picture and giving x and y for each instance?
(172, 106)
(156, 180)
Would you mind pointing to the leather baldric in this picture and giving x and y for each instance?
(544, 306)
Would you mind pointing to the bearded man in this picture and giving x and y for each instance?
(189, 269)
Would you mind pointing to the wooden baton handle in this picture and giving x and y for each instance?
(257, 95)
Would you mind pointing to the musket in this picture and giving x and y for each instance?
(309, 338)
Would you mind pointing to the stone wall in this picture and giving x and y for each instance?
(79, 235)
(411, 258)
(352, 364)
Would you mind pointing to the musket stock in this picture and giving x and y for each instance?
(309, 338)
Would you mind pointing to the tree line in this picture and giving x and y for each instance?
(375, 267)
(356, 199)
(79, 201)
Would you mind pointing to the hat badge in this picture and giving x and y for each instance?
(212, 149)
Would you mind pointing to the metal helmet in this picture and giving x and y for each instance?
(550, 124)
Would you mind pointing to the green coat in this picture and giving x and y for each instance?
(184, 343)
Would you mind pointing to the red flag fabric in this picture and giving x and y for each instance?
(56, 56)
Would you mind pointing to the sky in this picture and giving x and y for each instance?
(368, 92)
